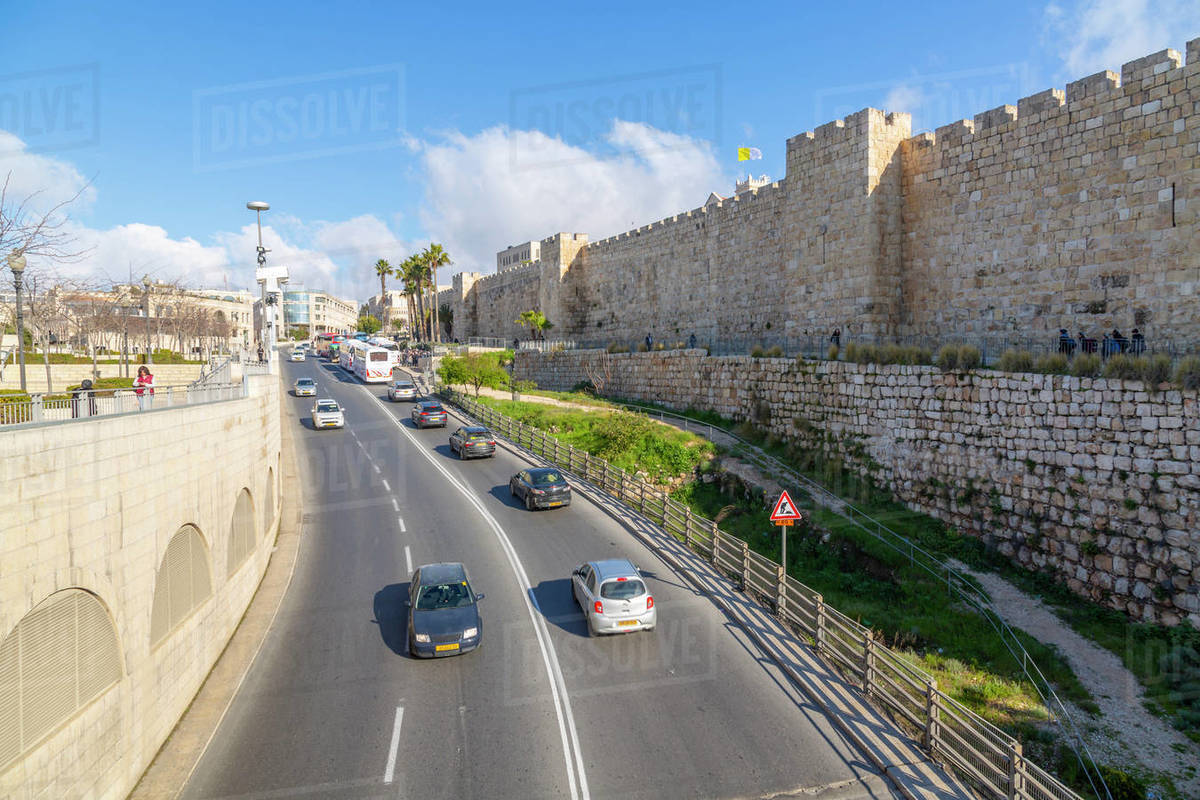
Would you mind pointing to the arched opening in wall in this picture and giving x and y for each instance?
(270, 507)
(182, 583)
(242, 531)
(61, 656)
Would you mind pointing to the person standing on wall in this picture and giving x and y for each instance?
(143, 385)
(835, 338)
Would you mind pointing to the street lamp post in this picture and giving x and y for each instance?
(146, 298)
(16, 262)
(268, 319)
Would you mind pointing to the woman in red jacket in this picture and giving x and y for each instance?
(143, 384)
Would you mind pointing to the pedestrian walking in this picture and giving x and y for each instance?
(692, 342)
(143, 386)
(1066, 345)
(1137, 342)
(1120, 343)
(835, 338)
(260, 352)
(649, 342)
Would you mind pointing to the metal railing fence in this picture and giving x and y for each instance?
(963, 587)
(80, 404)
(816, 346)
(987, 757)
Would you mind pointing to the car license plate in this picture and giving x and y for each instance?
(554, 503)
(627, 622)
(443, 647)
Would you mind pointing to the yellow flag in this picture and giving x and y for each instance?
(743, 154)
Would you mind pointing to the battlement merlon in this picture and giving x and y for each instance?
(859, 130)
(1193, 52)
(1147, 66)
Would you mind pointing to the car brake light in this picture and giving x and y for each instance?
(649, 602)
(599, 607)
(622, 579)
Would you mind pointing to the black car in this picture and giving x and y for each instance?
(472, 441)
(542, 487)
(429, 414)
(443, 612)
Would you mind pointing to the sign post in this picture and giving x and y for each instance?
(785, 515)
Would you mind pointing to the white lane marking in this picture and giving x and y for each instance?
(400, 520)
(387, 487)
(395, 504)
(390, 773)
(408, 559)
(572, 753)
(373, 464)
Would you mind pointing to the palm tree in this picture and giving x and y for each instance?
(417, 272)
(436, 257)
(406, 273)
(383, 269)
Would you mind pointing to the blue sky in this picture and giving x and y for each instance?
(478, 125)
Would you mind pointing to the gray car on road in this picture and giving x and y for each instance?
(443, 612)
(614, 597)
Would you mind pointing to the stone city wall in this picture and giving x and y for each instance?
(1094, 481)
(89, 512)
(1072, 209)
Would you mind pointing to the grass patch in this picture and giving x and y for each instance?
(629, 441)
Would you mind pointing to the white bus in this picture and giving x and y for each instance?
(370, 363)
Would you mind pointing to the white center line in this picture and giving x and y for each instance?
(376, 466)
(390, 773)
(395, 504)
(400, 520)
(408, 559)
(386, 486)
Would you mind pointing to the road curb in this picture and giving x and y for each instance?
(179, 755)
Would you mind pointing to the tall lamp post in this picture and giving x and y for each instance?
(268, 320)
(146, 298)
(16, 262)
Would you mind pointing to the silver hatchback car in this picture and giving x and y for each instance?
(614, 597)
(402, 390)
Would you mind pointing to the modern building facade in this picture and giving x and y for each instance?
(517, 254)
(317, 310)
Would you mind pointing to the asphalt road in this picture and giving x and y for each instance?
(334, 707)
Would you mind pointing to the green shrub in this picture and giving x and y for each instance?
(641, 348)
(1187, 374)
(1052, 364)
(1122, 785)
(659, 346)
(968, 357)
(757, 351)
(1013, 360)
(867, 354)
(1085, 365)
(775, 352)
(947, 359)
(890, 354)
(1156, 369)
(1122, 367)
(833, 354)
(613, 347)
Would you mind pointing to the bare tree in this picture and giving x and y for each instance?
(599, 369)
(40, 235)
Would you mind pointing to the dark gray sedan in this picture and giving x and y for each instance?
(443, 612)
(429, 414)
(541, 487)
(472, 441)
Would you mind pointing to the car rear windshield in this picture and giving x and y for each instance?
(433, 409)
(378, 356)
(403, 385)
(477, 436)
(542, 478)
(445, 595)
(304, 382)
(622, 589)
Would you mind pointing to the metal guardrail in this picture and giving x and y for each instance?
(961, 585)
(40, 409)
(816, 346)
(985, 756)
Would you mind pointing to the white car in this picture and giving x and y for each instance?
(297, 355)
(614, 597)
(402, 389)
(326, 413)
(305, 387)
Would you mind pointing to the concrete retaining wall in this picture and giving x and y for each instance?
(93, 505)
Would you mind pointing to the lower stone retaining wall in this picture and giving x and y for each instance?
(89, 509)
(1095, 481)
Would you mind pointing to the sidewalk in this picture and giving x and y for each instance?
(895, 755)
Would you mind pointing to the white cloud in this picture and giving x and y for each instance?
(1094, 35)
(503, 186)
(47, 181)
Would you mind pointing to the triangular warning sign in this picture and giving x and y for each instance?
(784, 509)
